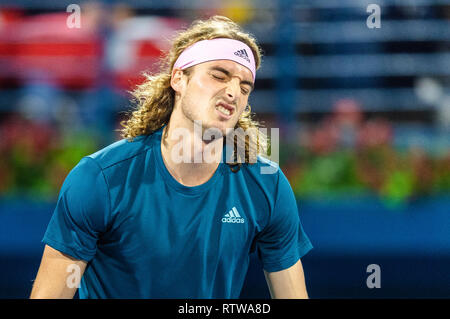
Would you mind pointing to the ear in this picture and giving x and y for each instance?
(176, 81)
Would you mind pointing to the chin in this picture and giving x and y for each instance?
(215, 129)
(227, 126)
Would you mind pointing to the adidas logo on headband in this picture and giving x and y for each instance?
(242, 54)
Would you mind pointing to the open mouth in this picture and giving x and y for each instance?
(225, 109)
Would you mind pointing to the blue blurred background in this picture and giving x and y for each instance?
(364, 117)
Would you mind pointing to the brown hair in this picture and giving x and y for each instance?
(155, 98)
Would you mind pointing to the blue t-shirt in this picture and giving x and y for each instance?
(145, 235)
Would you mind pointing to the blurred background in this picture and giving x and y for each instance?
(364, 117)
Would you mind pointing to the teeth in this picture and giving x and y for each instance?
(223, 110)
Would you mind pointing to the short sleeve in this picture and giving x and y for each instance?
(81, 212)
(283, 242)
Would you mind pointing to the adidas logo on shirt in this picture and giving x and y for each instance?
(242, 54)
(233, 217)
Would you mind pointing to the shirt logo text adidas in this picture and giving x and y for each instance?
(233, 217)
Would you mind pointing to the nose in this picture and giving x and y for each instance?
(232, 89)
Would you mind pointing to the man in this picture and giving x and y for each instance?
(137, 222)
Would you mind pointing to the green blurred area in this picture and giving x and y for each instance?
(37, 173)
(393, 175)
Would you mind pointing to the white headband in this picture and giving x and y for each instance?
(217, 49)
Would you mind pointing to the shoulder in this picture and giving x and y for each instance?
(94, 173)
(264, 170)
(269, 177)
(265, 177)
(123, 150)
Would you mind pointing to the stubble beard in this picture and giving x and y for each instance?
(216, 129)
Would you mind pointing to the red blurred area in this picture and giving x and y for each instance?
(116, 45)
(346, 127)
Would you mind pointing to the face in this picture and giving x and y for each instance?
(215, 93)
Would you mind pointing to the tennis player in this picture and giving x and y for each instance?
(133, 221)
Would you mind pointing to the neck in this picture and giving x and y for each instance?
(189, 158)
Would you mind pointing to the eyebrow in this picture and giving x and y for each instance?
(228, 73)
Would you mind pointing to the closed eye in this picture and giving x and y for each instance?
(245, 92)
(218, 77)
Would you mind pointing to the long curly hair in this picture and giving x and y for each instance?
(154, 99)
